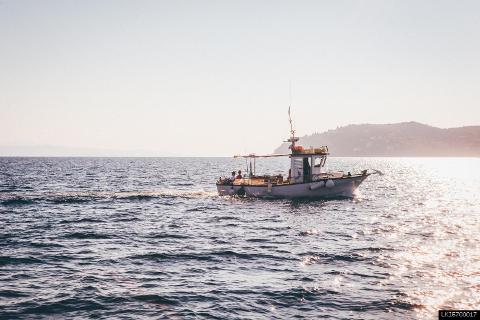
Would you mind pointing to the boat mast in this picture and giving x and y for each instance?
(292, 139)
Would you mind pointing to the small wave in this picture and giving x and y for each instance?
(183, 184)
(135, 197)
(167, 236)
(309, 259)
(172, 256)
(406, 305)
(88, 220)
(248, 256)
(260, 240)
(64, 306)
(87, 235)
(17, 201)
(126, 219)
(347, 257)
(5, 260)
(12, 294)
(7, 189)
(225, 218)
(209, 256)
(373, 276)
(164, 193)
(155, 299)
(294, 295)
(373, 249)
(308, 232)
(72, 199)
(379, 305)
(45, 245)
(201, 209)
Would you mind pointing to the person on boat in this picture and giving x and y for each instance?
(239, 176)
(232, 178)
(279, 179)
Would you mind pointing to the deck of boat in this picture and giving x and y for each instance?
(256, 181)
(278, 180)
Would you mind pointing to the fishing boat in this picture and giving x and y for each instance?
(307, 176)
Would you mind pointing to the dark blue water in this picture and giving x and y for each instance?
(137, 238)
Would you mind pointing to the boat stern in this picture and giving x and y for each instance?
(225, 189)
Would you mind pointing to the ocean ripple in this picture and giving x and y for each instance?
(142, 238)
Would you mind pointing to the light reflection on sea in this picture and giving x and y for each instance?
(94, 237)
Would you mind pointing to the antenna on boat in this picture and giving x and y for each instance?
(289, 93)
(292, 139)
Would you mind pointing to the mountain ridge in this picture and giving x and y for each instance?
(396, 140)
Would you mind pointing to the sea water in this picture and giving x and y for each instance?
(141, 238)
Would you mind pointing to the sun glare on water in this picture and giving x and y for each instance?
(437, 262)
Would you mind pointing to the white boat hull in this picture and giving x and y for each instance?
(344, 187)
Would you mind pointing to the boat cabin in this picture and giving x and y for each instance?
(307, 165)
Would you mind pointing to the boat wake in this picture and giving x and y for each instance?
(28, 198)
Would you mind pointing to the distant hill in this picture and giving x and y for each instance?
(399, 139)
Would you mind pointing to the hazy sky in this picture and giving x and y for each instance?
(212, 77)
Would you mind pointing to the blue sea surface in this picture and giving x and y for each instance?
(142, 238)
